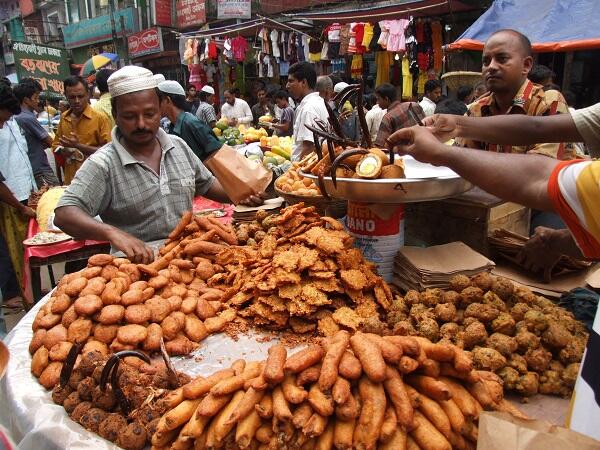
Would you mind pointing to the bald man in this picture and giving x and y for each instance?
(507, 59)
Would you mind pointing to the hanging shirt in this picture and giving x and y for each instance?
(344, 39)
(407, 79)
(212, 50)
(352, 41)
(368, 35)
(314, 50)
(239, 47)
(333, 32)
(14, 162)
(396, 40)
(385, 33)
(356, 68)
(383, 61)
(275, 43)
(359, 30)
(325, 51)
(227, 49)
(305, 48)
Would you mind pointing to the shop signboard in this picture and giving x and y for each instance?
(145, 42)
(99, 28)
(234, 9)
(190, 13)
(48, 65)
(163, 15)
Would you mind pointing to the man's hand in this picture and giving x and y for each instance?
(135, 250)
(69, 141)
(254, 200)
(443, 126)
(232, 122)
(544, 249)
(344, 115)
(26, 211)
(418, 142)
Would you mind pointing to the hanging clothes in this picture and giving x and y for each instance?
(356, 69)
(314, 47)
(367, 36)
(436, 43)
(299, 48)
(275, 43)
(325, 51)
(407, 80)
(352, 40)
(227, 49)
(239, 47)
(385, 33)
(359, 30)
(383, 61)
(396, 39)
(344, 39)
(212, 50)
(305, 40)
(333, 32)
(421, 82)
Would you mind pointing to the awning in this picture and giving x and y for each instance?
(551, 25)
(392, 9)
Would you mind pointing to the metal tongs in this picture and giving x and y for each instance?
(413, 115)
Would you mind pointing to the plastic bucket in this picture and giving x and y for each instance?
(378, 231)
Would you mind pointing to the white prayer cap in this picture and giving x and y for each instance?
(208, 89)
(159, 77)
(130, 79)
(171, 87)
(339, 87)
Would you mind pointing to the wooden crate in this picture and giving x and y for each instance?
(469, 218)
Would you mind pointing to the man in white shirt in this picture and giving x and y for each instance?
(433, 93)
(302, 79)
(236, 110)
(373, 117)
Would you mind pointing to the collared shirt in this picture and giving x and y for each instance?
(14, 162)
(197, 134)
(92, 128)
(395, 118)
(311, 107)
(129, 195)
(587, 121)
(104, 105)
(287, 116)
(35, 135)
(373, 118)
(240, 111)
(532, 100)
(428, 106)
(206, 113)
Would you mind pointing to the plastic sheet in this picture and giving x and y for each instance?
(35, 422)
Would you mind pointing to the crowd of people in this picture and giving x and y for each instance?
(134, 155)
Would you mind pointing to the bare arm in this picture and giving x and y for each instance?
(218, 194)
(80, 225)
(506, 129)
(6, 196)
(519, 178)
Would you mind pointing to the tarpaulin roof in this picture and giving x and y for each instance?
(550, 25)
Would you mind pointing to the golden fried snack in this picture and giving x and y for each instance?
(111, 314)
(246, 429)
(60, 351)
(247, 405)
(281, 408)
(315, 426)
(370, 357)
(48, 321)
(181, 345)
(38, 340)
(132, 334)
(301, 415)
(39, 361)
(221, 424)
(216, 324)
(331, 361)
(343, 434)
(204, 310)
(153, 337)
(391, 353)
(396, 390)
(79, 331)
(68, 317)
(50, 375)
(389, 426)
(325, 440)
(348, 410)
(54, 335)
(159, 309)
(350, 366)
(60, 304)
(101, 259)
(75, 286)
(429, 386)
(194, 328)
(188, 305)
(274, 366)
(407, 364)
(304, 359)
(105, 333)
(292, 393)
(433, 412)
(427, 436)
(137, 314)
(372, 414)
(398, 441)
(132, 297)
(309, 375)
(265, 407)
(341, 390)
(320, 401)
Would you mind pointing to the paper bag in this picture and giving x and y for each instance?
(502, 431)
(239, 176)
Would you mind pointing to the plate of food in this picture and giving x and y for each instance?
(46, 238)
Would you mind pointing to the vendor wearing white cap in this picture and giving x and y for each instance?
(206, 111)
(139, 184)
(185, 125)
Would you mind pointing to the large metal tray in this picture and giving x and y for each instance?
(423, 182)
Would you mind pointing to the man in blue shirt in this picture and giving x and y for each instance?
(38, 139)
(187, 126)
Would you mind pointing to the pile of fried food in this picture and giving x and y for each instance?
(531, 343)
(120, 398)
(251, 233)
(292, 182)
(304, 275)
(115, 305)
(360, 391)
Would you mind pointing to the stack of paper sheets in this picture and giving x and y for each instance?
(243, 213)
(432, 267)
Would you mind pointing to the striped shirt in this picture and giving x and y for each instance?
(206, 113)
(129, 195)
(532, 100)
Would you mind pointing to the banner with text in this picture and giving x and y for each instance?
(99, 29)
(162, 13)
(49, 65)
(190, 13)
(145, 42)
(234, 9)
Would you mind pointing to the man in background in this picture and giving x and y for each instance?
(38, 139)
(103, 103)
(191, 99)
(324, 86)
(464, 94)
(206, 111)
(81, 130)
(235, 110)
(302, 80)
(262, 107)
(397, 115)
(285, 125)
(541, 74)
(433, 93)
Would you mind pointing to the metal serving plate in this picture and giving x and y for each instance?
(424, 182)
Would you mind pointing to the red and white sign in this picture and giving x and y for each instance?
(145, 42)
(190, 13)
(163, 15)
